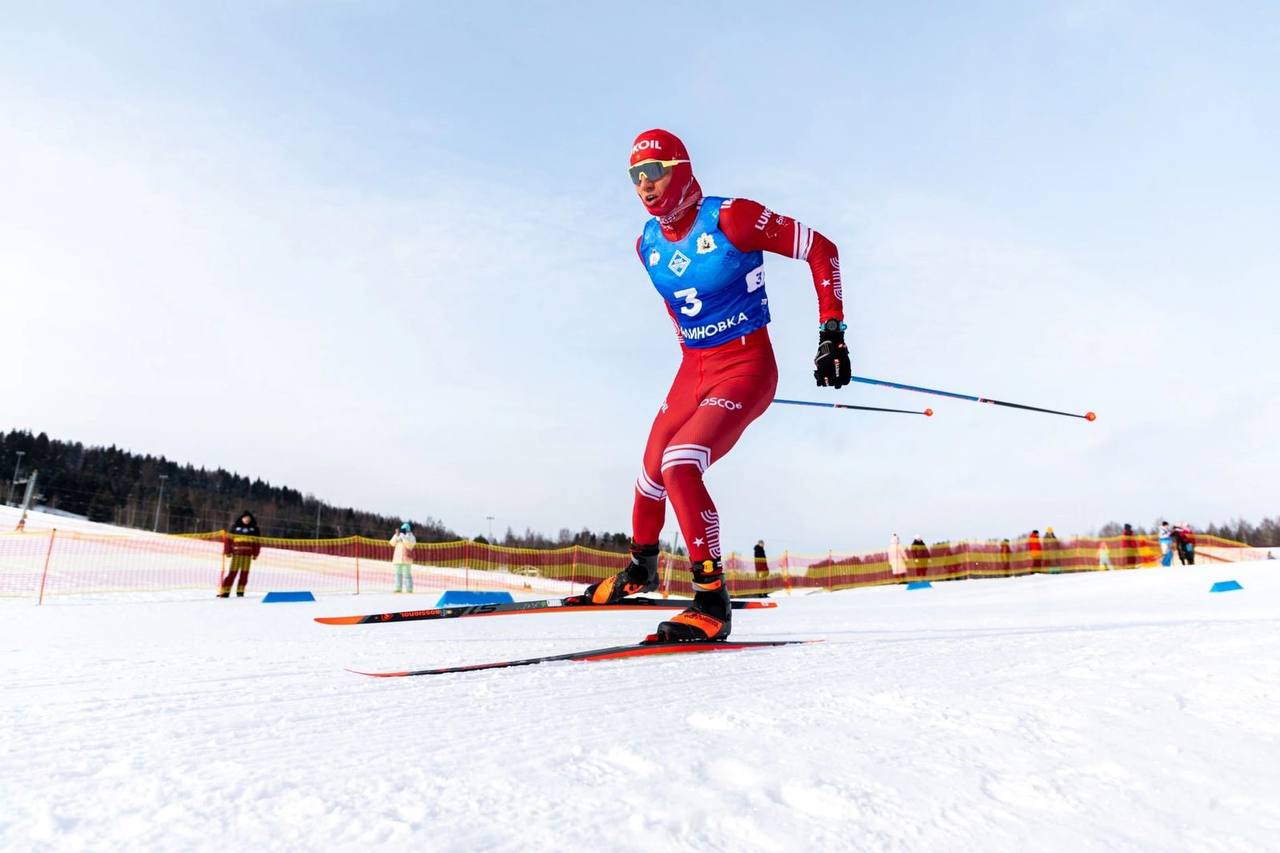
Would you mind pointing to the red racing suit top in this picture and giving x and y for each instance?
(752, 227)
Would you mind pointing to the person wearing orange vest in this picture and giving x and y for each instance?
(1034, 548)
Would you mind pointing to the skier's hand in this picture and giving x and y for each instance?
(831, 364)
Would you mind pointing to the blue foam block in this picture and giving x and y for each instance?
(1225, 586)
(457, 597)
(919, 585)
(302, 595)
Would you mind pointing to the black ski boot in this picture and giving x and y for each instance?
(640, 575)
(710, 617)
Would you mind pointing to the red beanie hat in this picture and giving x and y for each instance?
(683, 191)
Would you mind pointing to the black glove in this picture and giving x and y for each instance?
(831, 364)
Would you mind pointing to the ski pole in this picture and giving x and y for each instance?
(928, 413)
(1088, 416)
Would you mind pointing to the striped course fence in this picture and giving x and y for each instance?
(47, 563)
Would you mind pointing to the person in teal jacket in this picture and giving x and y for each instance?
(404, 542)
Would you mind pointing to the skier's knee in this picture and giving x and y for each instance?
(653, 488)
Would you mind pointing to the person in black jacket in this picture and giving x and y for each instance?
(242, 545)
(762, 564)
(1180, 543)
(918, 553)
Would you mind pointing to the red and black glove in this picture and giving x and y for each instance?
(831, 364)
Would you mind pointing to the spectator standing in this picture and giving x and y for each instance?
(1179, 544)
(242, 544)
(1006, 555)
(919, 557)
(1034, 548)
(1104, 556)
(1188, 544)
(1165, 537)
(1128, 547)
(404, 542)
(762, 565)
(1050, 544)
(897, 559)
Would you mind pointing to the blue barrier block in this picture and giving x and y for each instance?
(1225, 586)
(457, 597)
(273, 597)
(919, 585)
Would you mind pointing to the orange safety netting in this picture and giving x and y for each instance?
(45, 563)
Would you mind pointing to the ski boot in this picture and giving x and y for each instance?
(640, 575)
(710, 617)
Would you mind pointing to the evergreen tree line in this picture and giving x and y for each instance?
(115, 486)
(1265, 534)
(585, 538)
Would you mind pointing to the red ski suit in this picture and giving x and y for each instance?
(718, 391)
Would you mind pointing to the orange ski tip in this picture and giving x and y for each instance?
(339, 620)
(378, 674)
(1090, 416)
(928, 413)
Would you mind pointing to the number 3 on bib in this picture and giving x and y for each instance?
(692, 303)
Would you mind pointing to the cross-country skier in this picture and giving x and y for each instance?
(704, 256)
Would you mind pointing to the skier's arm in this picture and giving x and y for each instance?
(752, 227)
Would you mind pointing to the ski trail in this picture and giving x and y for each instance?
(974, 719)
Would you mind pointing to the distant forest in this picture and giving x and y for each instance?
(115, 486)
(1265, 534)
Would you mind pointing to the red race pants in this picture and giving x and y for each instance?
(716, 393)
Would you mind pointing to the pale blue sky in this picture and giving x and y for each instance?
(384, 252)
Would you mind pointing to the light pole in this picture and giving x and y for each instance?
(490, 517)
(13, 485)
(155, 527)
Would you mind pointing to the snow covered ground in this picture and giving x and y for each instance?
(1119, 711)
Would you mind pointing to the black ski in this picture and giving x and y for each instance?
(552, 605)
(634, 650)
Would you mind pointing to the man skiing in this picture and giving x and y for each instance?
(704, 256)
